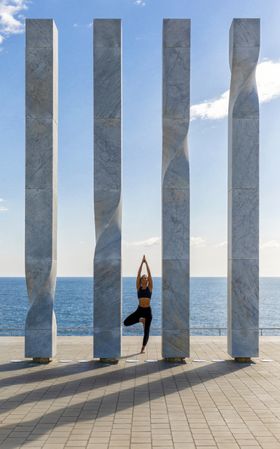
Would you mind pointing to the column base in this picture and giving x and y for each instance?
(108, 360)
(175, 359)
(42, 359)
(243, 359)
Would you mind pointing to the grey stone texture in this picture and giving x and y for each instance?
(175, 188)
(107, 187)
(41, 186)
(243, 191)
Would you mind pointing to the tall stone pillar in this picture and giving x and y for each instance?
(243, 191)
(107, 188)
(41, 187)
(175, 188)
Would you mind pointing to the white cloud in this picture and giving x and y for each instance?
(270, 244)
(2, 208)
(221, 244)
(198, 242)
(148, 242)
(140, 2)
(11, 19)
(195, 241)
(211, 109)
(268, 82)
(263, 245)
(82, 25)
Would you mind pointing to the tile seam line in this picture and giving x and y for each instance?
(107, 119)
(243, 188)
(39, 119)
(241, 379)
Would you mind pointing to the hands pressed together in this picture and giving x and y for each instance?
(144, 259)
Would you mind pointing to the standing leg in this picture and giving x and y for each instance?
(132, 319)
(148, 321)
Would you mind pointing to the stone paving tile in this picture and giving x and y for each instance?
(90, 405)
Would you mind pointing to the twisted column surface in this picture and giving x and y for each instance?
(243, 191)
(175, 188)
(41, 187)
(107, 187)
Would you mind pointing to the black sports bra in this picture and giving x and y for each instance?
(144, 292)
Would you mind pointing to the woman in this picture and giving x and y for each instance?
(143, 314)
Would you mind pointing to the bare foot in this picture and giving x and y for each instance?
(142, 350)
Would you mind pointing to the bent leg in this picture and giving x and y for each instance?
(132, 319)
(148, 321)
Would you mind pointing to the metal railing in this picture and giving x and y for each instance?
(219, 331)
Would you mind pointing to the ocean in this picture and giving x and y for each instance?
(74, 298)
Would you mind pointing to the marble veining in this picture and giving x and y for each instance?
(243, 190)
(41, 187)
(175, 188)
(107, 188)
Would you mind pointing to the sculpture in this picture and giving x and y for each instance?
(175, 189)
(41, 187)
(107, 188)
(243, 192)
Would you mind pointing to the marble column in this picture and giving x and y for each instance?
(41, 187)
(243, 191)
(107, 188)
(175, 188)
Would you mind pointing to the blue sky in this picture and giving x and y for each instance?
(210, 76)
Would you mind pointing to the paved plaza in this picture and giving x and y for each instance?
(141, 403)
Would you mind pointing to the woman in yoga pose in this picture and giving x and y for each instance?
(143, 313)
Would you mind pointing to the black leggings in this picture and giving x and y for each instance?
(141, 312)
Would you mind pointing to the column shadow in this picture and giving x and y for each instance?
(117, 401)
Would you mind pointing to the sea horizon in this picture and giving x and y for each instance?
(74, 305)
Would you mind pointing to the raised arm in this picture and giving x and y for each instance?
(139, 274)
(150, 279)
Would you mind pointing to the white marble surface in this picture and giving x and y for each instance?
(244, 226)
(175, 328)
(175, 188)
(107, 187)
(41, 186)
(243, 191)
